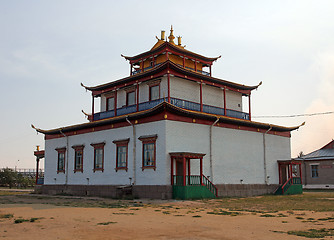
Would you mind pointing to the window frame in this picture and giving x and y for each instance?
(107, 103)
(122, 143)
(61, 151)
(315, 170)
(127, 97)
(150, 139)
(150, 93)
(77, 149)
(98, 146)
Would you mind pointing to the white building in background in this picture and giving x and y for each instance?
(169, 129)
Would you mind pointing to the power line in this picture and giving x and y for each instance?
(296, 115)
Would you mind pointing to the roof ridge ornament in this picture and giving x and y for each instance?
(171, 36)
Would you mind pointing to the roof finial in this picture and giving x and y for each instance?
(171, 36)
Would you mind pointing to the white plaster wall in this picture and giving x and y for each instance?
(109, 176)
(237, 154)
(213, 96)
(184, 89)
(143, 92)
(234, 100)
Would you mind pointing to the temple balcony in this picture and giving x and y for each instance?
(176, 102)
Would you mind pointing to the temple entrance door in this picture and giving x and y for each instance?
(284, 174)
(179, 172)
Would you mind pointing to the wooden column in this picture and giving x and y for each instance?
(188, 171)
(300, 173)
(168, 87)
(201, 170)
(172, 170)
(37, 168)
(201, 95)
(224, 101)
(153, 61)
(131, 69)
(195, 65)
(142, 65)
(249, 106)
(279, 173)
(137, 97)
(184, 171)
(92, 107)
(210, 69)
(184, 61)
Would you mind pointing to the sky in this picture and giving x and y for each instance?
(47, 48)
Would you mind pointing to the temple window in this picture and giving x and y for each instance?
(98, 156)
(121, 154)
(78, 158)
(110, 103)
(130, 98)
(61, 160)
(149, 151)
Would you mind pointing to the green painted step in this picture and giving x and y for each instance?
(192, 192)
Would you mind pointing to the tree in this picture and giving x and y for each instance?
(301, 154)
(8, 177)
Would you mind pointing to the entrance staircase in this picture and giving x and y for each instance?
(193, 187)
(292, 186)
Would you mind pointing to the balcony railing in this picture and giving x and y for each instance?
(176, 102)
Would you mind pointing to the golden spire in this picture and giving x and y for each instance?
(171, 36)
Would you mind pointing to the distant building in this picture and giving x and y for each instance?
(318, 168)
(167, 130)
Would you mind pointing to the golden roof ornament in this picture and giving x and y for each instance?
(171, 36)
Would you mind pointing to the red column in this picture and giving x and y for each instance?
(201, 96)
(188, 171)
(300, 173)
(37, 167)
(92, 107)
(210, 69)
(168, 90)
(224, 101)
(137, 97)
(249, 103)
(130, 69)
(201, 170)
(184, 171)
(167, 57)
(153, 61)
(279, 173)
(115, 102)
(172, 170)
(184, 61)
(195, 65)
(290, 170)
(142, 65)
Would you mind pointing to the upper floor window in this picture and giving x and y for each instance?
(61, 160)
(149, 151)
(98, 156)
(130, 98)
(314, 171)
(110, 103)
(154, 92)
(122, 154)
(78, 158)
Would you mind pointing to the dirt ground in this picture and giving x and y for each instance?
(45, 217)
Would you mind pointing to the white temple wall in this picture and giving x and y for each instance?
(109, 176)
(237, 154)
(184, 89)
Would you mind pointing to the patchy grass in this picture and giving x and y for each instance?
(267, 215)
(314, 233)
(20, 220)
(8, 215)
(106, 223)
(319, 202)
(223, 212)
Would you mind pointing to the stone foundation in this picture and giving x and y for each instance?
(151, 191)
(245, 190)
(110, 191)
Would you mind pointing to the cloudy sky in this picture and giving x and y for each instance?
(48, 47)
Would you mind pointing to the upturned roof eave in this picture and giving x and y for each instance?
(166, 45)
(176, 68)
(171, 108)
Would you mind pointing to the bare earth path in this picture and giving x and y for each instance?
(139, 219)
